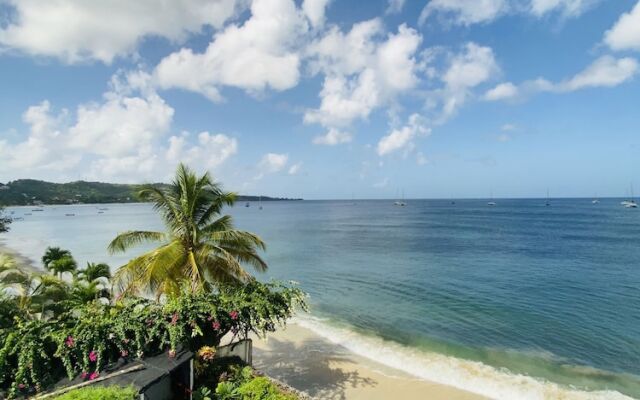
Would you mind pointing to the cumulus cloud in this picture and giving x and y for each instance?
(625, 33)
(465, 12)
(333, 137)
(471, 67)
(363, 71)
(122, 138)
(395, 6)
(568, 8)
(315, 10)
(254, 56)
(502, 91)
(402, 138)
(79, 30)
(272, 163)
(606, 71)
(295, 168)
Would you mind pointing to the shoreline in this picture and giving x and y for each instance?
(332, 363)
(321, 369)
(22, 260)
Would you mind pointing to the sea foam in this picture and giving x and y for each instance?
(472, 376)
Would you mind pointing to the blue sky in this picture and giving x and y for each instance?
(326, 98)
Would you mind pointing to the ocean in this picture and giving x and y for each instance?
(514, 301)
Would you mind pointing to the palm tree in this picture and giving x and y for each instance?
(62, 265)
(94, 271)
(200, 245)
(32, 293)
(53, 254)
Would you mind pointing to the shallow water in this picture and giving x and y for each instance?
(550, 292)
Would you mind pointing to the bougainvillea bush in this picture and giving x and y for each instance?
(83, 341)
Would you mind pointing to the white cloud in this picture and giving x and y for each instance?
(124, 138)
(625, 34)
(273, 162)
(473, 66)
(402, 138)
(606, 71)
(503, 137)
(333, 137)
(361, 73)
(80, 30)
(465, 12)
(315, 10)
(508, 127)
(254, 56)
(295, 168)
(502, 91)
(395, 6)
(210, 151)
(568, 8)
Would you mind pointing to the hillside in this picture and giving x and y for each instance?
(31, 191)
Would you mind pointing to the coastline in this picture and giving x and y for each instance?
(21, 260)
(313, 365)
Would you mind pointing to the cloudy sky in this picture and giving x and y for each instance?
(326, 98)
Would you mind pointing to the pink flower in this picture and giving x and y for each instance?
(216, 325)
(233, 314)
(69, 342)
(172, 353)
(93, 356)
(174, 319)
(21, 386)
(124, 353)
(93, 375)
(84, 375)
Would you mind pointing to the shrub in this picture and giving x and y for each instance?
(100, 393)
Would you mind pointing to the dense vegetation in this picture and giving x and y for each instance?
(30, 191)
(93, 393)
(76, 322)
(4, 220)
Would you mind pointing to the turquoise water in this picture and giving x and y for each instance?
(525, 290)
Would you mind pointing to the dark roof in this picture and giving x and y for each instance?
(152, 369)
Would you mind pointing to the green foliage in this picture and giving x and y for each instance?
(100, 393)
(4, 221)
(53, 254)
(87, 338)
(242, 384)
(200, 246)
(203, 393)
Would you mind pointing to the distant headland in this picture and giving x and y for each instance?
(23, 192)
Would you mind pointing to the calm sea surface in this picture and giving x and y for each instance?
(546, 292)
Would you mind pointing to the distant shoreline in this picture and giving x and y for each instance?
(22, 260)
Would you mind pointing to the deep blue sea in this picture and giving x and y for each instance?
(519, 300)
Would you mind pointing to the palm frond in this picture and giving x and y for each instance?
(126, 240)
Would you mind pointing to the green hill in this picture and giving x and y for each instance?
(33, 192)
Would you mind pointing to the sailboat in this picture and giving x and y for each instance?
(595, 199)
(631, 203)
(400, 203)
(547, 203)
(246, 204)
(260, 203)
(491, 202)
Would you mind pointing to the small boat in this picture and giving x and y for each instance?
(630, 203)
(595, 201)
(37, 209)
(100, 212)
(260, 203)
(247, 204)
(27, 213)
(69, 215)
(547, 203)
(491, 203)
(103, 209)
(400, 203)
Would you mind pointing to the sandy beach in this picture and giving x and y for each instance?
(323, 370)
(24, 262)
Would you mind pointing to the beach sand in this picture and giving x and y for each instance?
(308, 362)
(24, 262)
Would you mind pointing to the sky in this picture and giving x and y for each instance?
(326, 99)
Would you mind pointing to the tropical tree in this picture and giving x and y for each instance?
(52, 254)
(65, 264)
(94, 271)
(4, 221)
(200, 245)
(32, 293)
